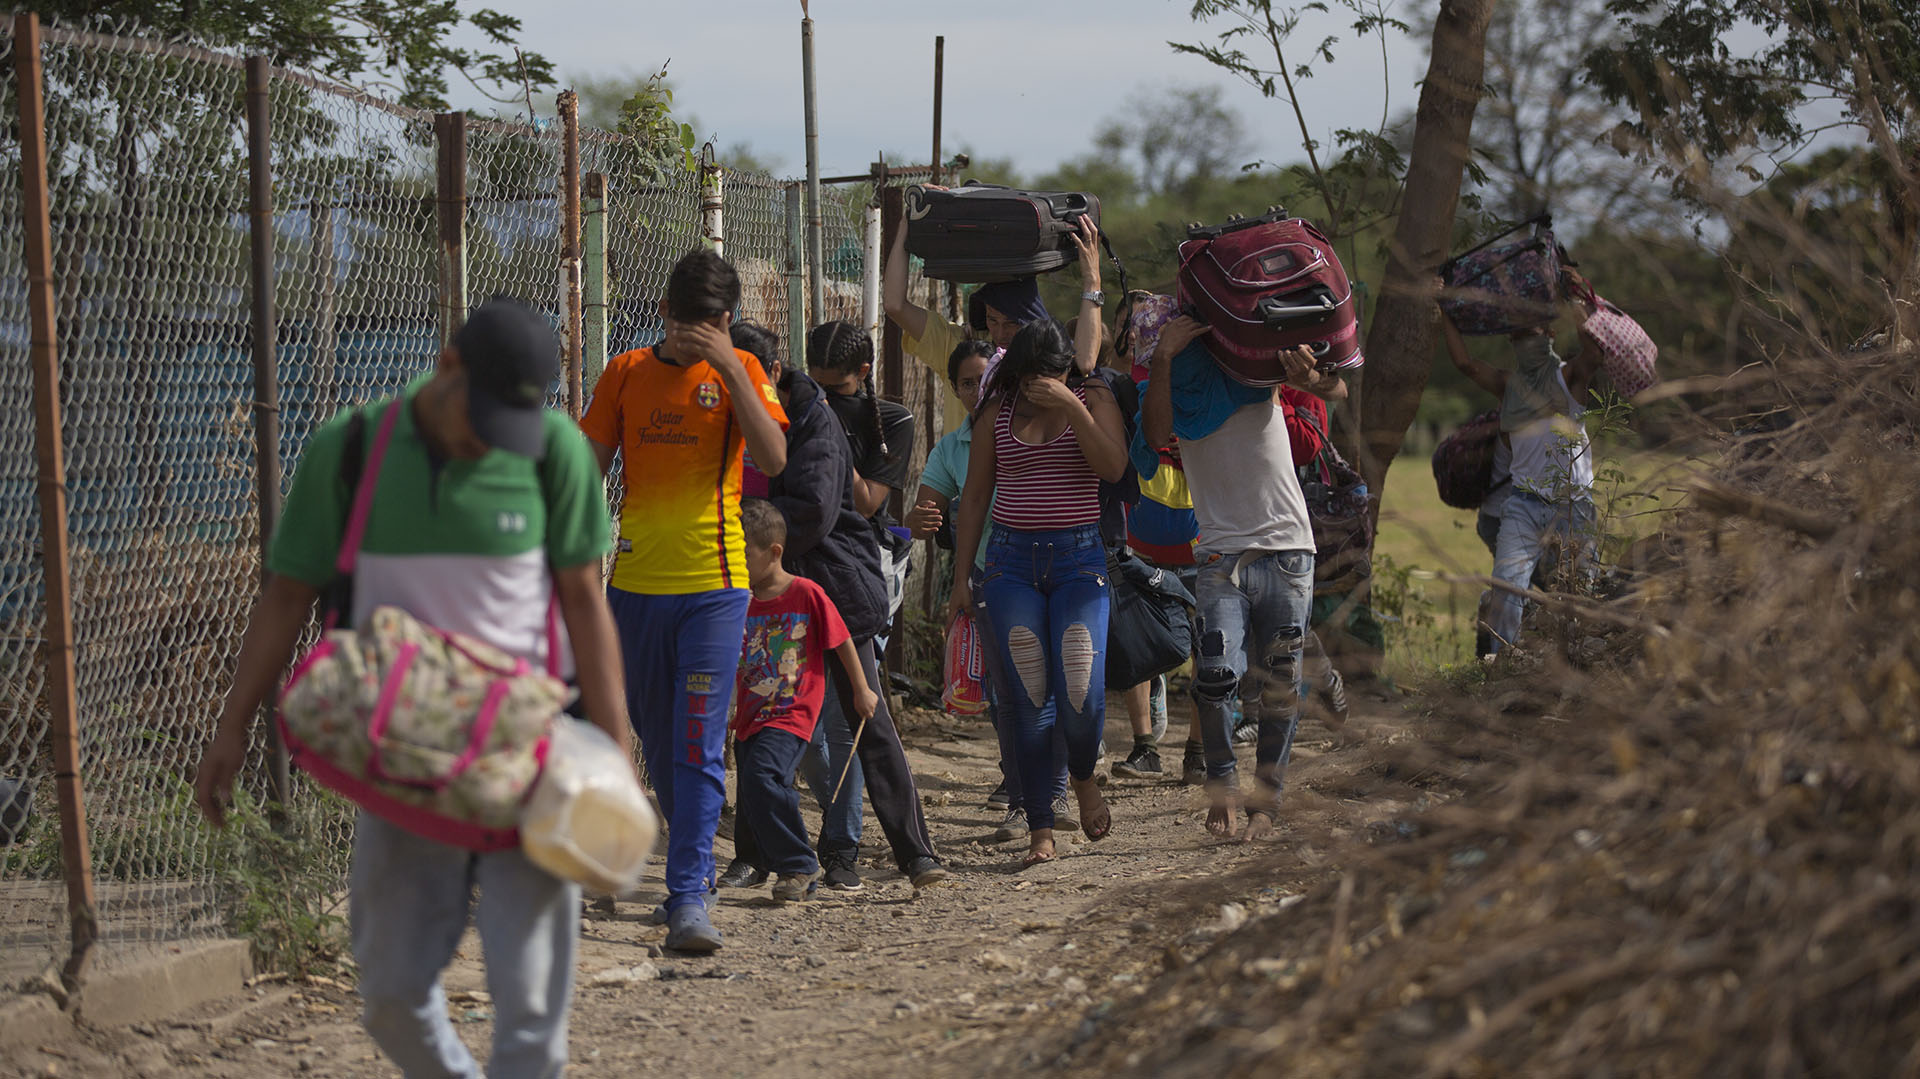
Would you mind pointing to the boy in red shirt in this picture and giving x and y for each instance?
(791, 626)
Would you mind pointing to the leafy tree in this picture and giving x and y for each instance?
(1698, 104)
(1174, 140)
(362, 41)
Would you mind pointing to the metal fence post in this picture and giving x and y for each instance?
(450, 138)
(62, 697)
(713, 206)
(816, 244)
(326, 329)
(796, 275)
(569, 104)
(266, 386)
(893, 203)
(870, 250)
(593, 330)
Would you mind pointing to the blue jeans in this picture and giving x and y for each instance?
(1000, 714)
(681, 654)
(1046, 595)
(768, 833)
(1249, 629)
(832, 749)
(407, 905)
(1528, 528)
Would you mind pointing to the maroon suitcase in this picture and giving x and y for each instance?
(1266, 285)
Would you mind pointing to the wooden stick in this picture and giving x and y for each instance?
(1721, 500)
(848, 766)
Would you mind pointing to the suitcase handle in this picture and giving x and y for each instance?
(1234, 223)
(1273, 312)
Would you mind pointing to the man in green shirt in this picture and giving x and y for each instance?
(488, 512)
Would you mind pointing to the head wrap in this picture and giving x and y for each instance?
(1151, 313)
(1018, 301)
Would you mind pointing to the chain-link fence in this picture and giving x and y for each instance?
(148, 180)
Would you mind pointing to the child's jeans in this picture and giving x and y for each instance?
(1250, 626)
(1046, 598)
(768, 833)
(407, 904)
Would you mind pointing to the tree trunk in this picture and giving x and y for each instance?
(1400, 343)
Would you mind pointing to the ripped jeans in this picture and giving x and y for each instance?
(1249, 627)
(1046, 597)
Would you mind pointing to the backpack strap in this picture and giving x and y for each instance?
(1119, 269)
(363, 491)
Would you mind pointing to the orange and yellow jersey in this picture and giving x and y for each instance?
(681, 445)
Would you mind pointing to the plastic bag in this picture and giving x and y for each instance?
(587, 819)
(966, 692)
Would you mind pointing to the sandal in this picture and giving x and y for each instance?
(1038, 857)
(1095, 823)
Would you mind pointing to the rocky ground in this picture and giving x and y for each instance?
(869, 983)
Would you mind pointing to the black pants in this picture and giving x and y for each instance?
(883, 762)
(768, 833)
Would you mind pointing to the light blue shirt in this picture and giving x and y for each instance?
(946, 472)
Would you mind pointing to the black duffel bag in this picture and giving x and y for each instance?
(981, 233)
(1149, 624)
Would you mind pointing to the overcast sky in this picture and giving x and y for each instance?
(1025, 79)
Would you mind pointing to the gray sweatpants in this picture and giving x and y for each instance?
(408, 907)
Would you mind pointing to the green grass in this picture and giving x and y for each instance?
(1424, 544)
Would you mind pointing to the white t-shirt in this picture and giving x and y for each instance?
(1552, 456)
(1246, 495)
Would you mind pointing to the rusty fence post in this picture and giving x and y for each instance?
(266, 385)
(572, 310)
(450, 140)
(63, 702)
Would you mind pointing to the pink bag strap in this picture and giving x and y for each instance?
(363, 494)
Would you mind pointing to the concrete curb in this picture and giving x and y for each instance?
(124, 988)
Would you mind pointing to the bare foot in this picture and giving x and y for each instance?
(1220, 813)
(1259, 825)
(1096, 820)
(1039, 848)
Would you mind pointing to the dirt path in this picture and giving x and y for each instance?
(868, 984)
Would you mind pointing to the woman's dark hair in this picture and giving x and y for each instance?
(841, 347)
(750, 336)
(965, 351)
(1041, 349)
(701, 286)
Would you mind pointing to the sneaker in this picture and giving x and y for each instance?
(690, 930)
(1193, 766)
(1063, 814)
(793, 887)
(741, 875)
(925, 870)
(1013, 826)
(1333, 693)
(999, 799)
(1142, 763)
(838, 872)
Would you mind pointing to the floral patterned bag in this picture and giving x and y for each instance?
(435, 732)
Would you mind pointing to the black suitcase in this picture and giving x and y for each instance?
(979, 233)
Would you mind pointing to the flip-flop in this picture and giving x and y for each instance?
(1092, 833)
(1035, 857)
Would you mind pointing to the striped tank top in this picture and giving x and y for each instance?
(1044, 488)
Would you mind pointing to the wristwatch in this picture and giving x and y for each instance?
(1096, 297)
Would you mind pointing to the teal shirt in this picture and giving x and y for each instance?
(946, 472)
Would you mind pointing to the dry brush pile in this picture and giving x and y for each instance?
(1691, 849)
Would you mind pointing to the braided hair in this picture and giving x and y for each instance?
(843, 348)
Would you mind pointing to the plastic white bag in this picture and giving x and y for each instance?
(587, 820)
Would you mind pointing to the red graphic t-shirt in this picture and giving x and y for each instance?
(783, 661)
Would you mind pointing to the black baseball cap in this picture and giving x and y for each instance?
(511, 357)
